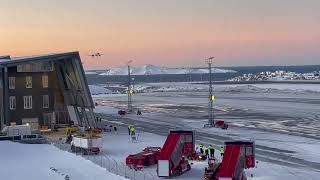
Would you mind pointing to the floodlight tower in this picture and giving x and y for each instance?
(129, 88)
(210, 104)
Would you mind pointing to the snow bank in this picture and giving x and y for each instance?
(268, 171)
(41, 161)
(271, 88)
(96, 90)
(152, 69)
(90, 72)
(245, 88)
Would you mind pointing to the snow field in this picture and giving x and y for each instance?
(42, 161)
(152, 69)
(192, 87)
(118, 146)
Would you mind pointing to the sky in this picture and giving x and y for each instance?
(165, 32)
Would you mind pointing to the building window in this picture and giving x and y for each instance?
(28, 82)
(12, 102)
(45, 101)
(45, 81)
(28, 68)
(36, 67)
(27, 102)
(12, 82)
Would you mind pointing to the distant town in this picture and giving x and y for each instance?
(277, 76)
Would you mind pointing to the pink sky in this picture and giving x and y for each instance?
(166, 32)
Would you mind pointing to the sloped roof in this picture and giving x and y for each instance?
(48, 57)
(14, 61)
(5, 57)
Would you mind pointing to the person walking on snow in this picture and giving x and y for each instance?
(206, 150)
(129, 129)
(211, 151)
(132, 131)
(201, 149)
(221, 151)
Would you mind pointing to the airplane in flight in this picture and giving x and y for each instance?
(95, 55)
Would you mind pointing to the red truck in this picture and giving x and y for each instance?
(173, 156)
(238, 155)
(148, 157)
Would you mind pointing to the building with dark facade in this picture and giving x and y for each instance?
(44, 90)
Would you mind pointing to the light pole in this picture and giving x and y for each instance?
(129, 88)
(132, 85)
(210, 104)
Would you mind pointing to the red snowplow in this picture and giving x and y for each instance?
(239, 155)
(172, 158)
(221, 124)
(148, 157)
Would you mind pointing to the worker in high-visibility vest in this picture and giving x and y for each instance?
(221, 151)
(211, 151)
(129, 129)
(206, 151)
(132, 131)
(201, 149)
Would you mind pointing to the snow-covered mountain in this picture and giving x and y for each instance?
(152, 69)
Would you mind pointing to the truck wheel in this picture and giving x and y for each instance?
(73, 148)
(84, 151)
(188, 167)
(179, 171)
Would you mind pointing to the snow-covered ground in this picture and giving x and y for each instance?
(283, 119)
(90, 72)
(187, 86)
(118, 146)
(96, 90)
(42, 161)
(279, 107)
(192, 87)
(152, 69)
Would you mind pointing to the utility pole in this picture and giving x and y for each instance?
(210, 98)
(129, 88)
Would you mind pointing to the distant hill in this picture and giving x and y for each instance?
(94, 77)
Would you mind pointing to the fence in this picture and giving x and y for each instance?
(110, 164)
